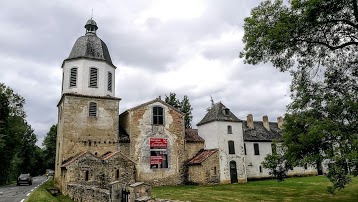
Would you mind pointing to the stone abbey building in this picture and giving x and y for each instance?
(98, 147)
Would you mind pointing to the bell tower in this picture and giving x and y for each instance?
(88, 109)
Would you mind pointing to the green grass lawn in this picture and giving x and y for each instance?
(292, 189)
(42, 195)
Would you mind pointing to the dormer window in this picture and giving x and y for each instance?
(158, 116)
(93, 80)
(73, 77)
(226, 111)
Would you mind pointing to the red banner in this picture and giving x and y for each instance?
(159, 143)
(156, 160)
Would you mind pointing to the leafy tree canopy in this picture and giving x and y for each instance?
(184, 106)
(317, 41)
(50, 147)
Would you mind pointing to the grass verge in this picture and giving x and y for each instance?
(42, 195)
(292, 189)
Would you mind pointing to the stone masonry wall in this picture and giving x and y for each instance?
(208, 172)
(141, 130)
(192, 148)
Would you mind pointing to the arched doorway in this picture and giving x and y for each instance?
(233, 172)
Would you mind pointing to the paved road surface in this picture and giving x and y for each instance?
(13, 193)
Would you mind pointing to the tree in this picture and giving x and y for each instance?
(17, 140)
(50, 147)
(173, 101)
(184, 106)
(186, 109)
(316, 40)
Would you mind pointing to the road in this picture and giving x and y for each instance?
(13, 193)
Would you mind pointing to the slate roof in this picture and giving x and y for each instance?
(202, 156)
(216, 113)
(191, 135)
(90, 46)
(260, 134)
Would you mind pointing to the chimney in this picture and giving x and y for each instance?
(250, 121)
(265, 122)
(279, 122)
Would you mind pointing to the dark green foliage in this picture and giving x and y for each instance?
(277, 162)
(17, 139)
(316, 40)
(183, 106)
(49, 149)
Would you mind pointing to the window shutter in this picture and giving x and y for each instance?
(73, 77)
(92, 109)
(109, 81)
(93, 77)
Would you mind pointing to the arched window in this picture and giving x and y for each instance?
(87, 175)
(92, 109)
(93, 81)
(231, 147)
(73, 77)
(229, 129)
(109, 87)
(158, 116)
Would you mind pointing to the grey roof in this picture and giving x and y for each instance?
(191, 135)
(260, 134)
(90, 46)
(216, 113)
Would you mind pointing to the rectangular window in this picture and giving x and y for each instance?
(273, 148)
(158, 153)
(245, 148)
(92, 109)
(109, 81)
(93, 77)
(231, 147)
(73, 77)
(158, 118)
(229, 130)
(256, 149)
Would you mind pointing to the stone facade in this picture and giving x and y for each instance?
(78, 132)
(204, 170)
(138, 123)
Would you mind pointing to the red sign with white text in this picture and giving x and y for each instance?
(158, 143)
(156, 160)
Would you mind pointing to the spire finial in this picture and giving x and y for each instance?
(92, 14)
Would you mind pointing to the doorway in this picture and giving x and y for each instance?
(233, 172)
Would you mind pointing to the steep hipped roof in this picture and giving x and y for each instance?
(217, 113)
(260, 133)
(90, 45)
(191, 135)
(202, 156)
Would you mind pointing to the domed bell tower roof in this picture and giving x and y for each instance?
(90, 45)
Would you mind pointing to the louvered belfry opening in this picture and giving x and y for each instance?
(73, 77)
(109, 81)
(93, 77)
(92, 109)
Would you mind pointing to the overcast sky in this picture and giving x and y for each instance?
(161, 46)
